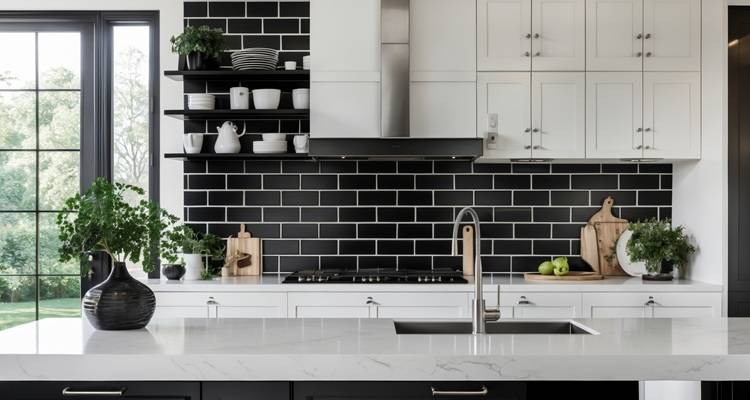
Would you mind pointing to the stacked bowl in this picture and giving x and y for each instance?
(201, 101)
(258, 58)
(272, 143)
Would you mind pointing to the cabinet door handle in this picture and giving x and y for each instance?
(538, 147)
(647, 147)
(639, 36)
(528, 36)
(481, 392)
(535, 130)
(69, 392)
(638, 54)
(536, 36)
(523, 301)
(527, 130)
(370, 301)
(647, 129)
(648, 54)
(526, 54)
(648, 36)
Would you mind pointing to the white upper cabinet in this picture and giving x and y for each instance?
(558, 107)
(442, 109)
(614, 35)
(442, 36)
(558, 41)
(505, 95)
(613, 114)
(649, 35)
(503, 35)
(344, 109)
(672, 35)
(519, 35)
(671, 115)
(345, 40)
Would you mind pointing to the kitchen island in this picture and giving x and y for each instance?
(714, 349)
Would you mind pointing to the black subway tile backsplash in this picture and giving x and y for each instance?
(390, 214)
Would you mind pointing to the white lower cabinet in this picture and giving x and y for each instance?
(220, 305)
(378, 305)
(536, 305)
(648, 305)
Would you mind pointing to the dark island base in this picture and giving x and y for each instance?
(347, 390)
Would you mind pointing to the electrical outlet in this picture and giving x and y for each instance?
(492, 123)
(491, 141)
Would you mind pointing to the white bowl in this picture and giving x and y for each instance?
(266, 99)
(301, 99)
(274, 137)
(263, 147)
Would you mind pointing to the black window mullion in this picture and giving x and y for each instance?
(36, 167)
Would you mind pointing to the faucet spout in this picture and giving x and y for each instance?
(479, 314)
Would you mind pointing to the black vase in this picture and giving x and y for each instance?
(120, 302)
(196, 61)
(173, 272)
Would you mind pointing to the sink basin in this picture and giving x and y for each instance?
(498, 328)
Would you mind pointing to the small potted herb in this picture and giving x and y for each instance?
(199, 45)
(101, 220)
(655, 242)
(194, 248)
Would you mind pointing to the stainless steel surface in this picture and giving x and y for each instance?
(479, 314)
(498, 328)
(394, 71)
(481, 392)
(92, 393)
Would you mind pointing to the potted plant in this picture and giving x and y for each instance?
(102, 221)
(195, 247)
(656, 242)
(199, 45)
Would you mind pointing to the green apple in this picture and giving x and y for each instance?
(546, 268)
(561, 266)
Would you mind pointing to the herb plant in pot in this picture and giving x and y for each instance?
(102, 221)
(195, 247)
(656, 242)
(199, 45)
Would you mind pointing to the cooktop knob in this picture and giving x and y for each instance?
(300, 279)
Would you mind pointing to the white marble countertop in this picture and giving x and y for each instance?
(369, 349)
(272, 283)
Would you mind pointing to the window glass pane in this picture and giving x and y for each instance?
(131, 105)
(17, 243)
(17, 300)
(17, 120)
(58, 178)
(59, 120)
(17, 180)
(59, 296)
(17, 64)
(49, 242)
(59, 60)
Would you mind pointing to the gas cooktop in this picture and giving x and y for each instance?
(376, 276)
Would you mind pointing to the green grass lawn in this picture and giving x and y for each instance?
(12, 314)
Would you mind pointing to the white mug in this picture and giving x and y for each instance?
(239, 98)
(301, 143)
(301, 99)
(306, 62)
(193, 142)
(290, 65)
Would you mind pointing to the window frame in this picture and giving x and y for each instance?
(96, 102)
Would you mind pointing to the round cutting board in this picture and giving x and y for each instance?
(571, 276)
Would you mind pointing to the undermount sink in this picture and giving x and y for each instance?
(497, 328)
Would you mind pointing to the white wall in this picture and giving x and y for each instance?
(700, 188)
(170, 23)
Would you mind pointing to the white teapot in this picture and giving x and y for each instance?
(229, 140)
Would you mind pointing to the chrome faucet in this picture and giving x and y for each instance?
(479, 314)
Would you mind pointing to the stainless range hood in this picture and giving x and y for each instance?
(395, 141)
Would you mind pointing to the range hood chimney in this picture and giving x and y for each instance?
(395, 141)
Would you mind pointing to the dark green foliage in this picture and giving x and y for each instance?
(201, 39)
(654, 241)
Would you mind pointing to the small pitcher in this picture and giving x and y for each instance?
(228, 141)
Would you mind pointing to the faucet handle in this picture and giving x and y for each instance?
(493, 314)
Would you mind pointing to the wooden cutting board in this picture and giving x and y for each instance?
(570, 277)
(590, 247)
(468, 253)
(608, 230)
(244, 256)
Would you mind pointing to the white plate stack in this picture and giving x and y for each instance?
(255, 58)
(272, 143)
(201, 101)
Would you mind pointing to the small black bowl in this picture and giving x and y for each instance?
(173, 272)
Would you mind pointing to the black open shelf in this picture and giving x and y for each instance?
(247, 75)
(237, 156)
(238, 114)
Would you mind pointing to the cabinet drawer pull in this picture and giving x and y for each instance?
(481, 392)
(523, 301)
(90, 393)
(371, 302)
(650, 301)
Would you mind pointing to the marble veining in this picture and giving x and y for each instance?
(369, 349)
